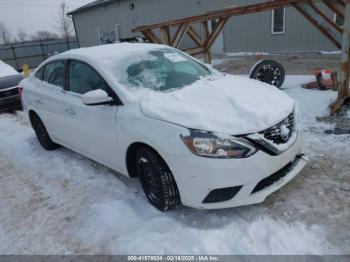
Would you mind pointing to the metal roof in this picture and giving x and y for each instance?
(91, 5)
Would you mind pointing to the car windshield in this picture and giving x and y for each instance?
(162, 70)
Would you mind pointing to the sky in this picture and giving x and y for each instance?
(33, 15)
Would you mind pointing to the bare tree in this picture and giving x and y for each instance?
(44, 35)
(5, 34)
(21, 35)
(64, 23)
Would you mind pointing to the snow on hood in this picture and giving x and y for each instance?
(6, 70)
(227, 104)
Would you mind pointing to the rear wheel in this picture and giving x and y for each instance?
(157, 180)
(42, 134)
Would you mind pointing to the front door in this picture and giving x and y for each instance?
(92, 129)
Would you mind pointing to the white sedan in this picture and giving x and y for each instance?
(192, 135)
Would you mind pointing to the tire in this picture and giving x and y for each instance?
(270, 72)
(42, 134)
(157, 180)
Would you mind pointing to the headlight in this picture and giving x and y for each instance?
(210, 145)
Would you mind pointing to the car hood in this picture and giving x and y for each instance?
(10, 81)
(225, 104)
(6, 70)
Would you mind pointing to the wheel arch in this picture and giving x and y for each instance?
(131, 155)
(32, 113)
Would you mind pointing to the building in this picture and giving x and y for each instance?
(282, 30)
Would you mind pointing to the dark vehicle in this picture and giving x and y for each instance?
(9, 91)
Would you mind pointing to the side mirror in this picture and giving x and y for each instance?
(96, 98)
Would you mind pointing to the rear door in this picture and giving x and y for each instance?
(49, 97)
(92, 129)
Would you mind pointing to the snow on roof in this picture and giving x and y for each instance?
(91, 5)
(103, 53)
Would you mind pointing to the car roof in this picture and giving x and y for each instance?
(108, 52)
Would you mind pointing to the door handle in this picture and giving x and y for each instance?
(39, 101)
(70, 111)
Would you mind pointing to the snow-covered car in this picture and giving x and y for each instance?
(191, 134)
(9, 92)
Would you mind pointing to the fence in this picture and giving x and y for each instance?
(34, 52)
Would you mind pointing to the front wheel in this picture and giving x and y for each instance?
(42, 134)
(157, 180)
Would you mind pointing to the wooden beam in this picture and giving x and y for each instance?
(205, 36)
(151, 36)
(216, 31)
(182, 30)
(165, 35)
(320, 28)
(325, 17)
(205, 30)
(341, 2)
(195, 36)
(195, 51)
(335, 7)
(207, 56)
(234, 11)
(177, 32)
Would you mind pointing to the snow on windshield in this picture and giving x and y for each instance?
(160, 70)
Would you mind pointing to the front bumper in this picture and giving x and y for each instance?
(10, 100)
(197, 177)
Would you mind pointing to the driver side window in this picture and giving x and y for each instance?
(83, 78)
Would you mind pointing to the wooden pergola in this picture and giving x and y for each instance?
(197, 28)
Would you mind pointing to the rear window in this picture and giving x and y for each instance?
(40, 73)
(55, 73)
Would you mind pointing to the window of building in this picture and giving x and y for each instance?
(278, 21)
(338, 19)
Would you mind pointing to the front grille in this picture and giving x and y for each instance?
(269, 181)
(9, 92)
(12, 105)
(221, 194)
(274, 133)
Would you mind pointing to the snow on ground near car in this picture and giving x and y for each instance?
(62, 203)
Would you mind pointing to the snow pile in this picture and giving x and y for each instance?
(152, 232)
(6, 70)
(224, 104)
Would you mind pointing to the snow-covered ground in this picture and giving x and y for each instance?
(62, 203)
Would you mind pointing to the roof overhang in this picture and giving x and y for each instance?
(92, 5)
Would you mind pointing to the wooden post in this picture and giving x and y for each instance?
(344, 71)
(206, 54)
(165, 35)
